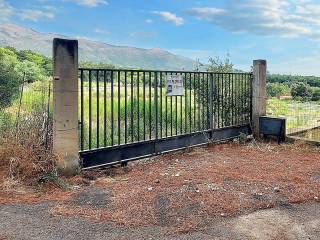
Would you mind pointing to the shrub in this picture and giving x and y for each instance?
(301, 91)
(277, 89)
(316, 94)
(26, 152)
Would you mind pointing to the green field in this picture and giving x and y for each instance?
(135, 113)
(299, 114)
(133, 118)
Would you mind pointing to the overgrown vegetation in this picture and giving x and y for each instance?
(304, 88)
(25, 119)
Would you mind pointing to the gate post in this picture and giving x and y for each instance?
(65, 110)
(259, 94)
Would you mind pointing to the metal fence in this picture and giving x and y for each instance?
(121, 110)
(302, 117)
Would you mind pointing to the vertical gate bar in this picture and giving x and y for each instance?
(144, 105)
(132, 105)
(176, 114)
(138, 105)
(203, 99)
(210, 98)
(171, 117)
(194, 102)
(185, 103)
(190, 104)
(211, 102)
(90, 110)
(166, 110)
(251, 96)
(248, 105)
(247, 98)
(223, 107)
(233, 100)
(150, 113)
(104, 109)
(241, 103)
(198, 102)
(161, 86)
(229, 101)
(156, 101)
(217, 99)
(236, 97)
(112, 113)
(243, 98)
(181, 109)
(125, 106)
(226, 100)
(248, 95)
(81, 111)
(235, 94)
(98, 123)
(119, 117)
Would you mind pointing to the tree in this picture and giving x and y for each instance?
(301, 91)
(216, 64)
(9, 79)
(31, 71)
(289, 79)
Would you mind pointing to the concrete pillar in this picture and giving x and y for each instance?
(259, 93)
(65, 111)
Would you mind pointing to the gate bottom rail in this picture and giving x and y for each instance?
(133, 151)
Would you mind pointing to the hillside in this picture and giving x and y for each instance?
(26, 38)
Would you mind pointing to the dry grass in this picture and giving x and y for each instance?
(183, 191)
(25, 153)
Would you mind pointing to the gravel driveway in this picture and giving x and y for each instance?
(35, 222)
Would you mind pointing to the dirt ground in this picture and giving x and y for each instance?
(227, 191)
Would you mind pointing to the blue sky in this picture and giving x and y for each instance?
(285, 32)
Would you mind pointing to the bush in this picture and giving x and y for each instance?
(316, 94)
(277, 89)
(301, 91)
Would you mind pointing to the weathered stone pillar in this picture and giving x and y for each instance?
(65, 111)
(259, 93)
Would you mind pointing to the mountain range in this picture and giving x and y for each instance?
(25, 38)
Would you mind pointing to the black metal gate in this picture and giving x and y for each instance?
(126, 114)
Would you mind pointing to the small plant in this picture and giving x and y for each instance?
(53, 177)
(243, 138)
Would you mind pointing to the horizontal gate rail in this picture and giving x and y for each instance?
(134, 151)
(126, 109)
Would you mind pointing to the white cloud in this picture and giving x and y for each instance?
(89, 3)
(285, 18)
(149, 21)
(6, 11)
(35, 14)
(100, 30)
(170, 17)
